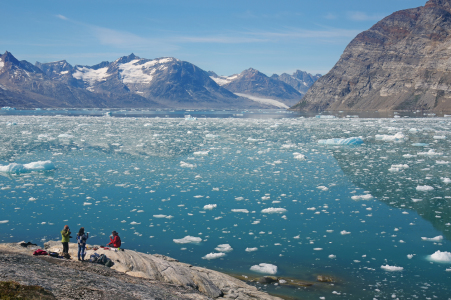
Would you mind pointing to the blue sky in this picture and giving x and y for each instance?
(222, 36)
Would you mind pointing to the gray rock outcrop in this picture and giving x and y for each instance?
(401, 63)
(161, 268)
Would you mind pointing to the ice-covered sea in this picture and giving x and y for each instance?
(366, 201)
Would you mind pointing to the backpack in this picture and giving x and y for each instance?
(53, 254)
(102, 259)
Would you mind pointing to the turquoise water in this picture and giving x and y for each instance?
(150, 180)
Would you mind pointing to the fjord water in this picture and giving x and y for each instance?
(339, 210)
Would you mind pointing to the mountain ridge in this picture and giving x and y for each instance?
(133, 82)
(400, 63)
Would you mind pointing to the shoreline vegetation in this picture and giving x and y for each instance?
(158, 276)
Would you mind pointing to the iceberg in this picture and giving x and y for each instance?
(273, 210)
(338, 141)
(438, 238)
(30, 167)
(188, 239)
(399, 137)
(224, 248)
(392, 268)
(213, 255)
(264, 268)
(440, 257)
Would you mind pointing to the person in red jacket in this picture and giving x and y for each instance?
(115, 240)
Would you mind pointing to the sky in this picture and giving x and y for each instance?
(226, 37)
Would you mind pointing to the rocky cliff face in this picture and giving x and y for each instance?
(401, 63)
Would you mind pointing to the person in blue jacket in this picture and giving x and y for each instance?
(81, 239)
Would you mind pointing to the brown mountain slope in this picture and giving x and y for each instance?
(401, 63)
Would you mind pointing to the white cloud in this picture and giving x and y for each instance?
(363, 16)
(62, 17)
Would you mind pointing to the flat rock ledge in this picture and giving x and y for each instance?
(134, 275)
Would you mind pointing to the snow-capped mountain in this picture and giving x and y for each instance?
(257, 86)
(167, 81)
(133, 82)
(300, 80)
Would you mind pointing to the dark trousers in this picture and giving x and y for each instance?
(66, 247)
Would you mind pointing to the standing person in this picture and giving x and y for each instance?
(65, 233)
(115, 240)
(82, 238)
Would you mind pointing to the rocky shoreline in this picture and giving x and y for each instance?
(134, 275)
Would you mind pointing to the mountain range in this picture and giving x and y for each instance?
(134, 82)
(403, 62)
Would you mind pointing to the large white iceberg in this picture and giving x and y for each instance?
(337, 141)
(440, 257)
(273, 210)
(265, 268)
(33, 166)
(392, 268)
(188, 239)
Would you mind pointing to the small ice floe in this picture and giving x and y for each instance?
(420, 144)
(187, 165)
(441, 162)
(445, 180)
(239, 198)
(224, 248)
(251, 249)
(273, 210)
(30, 167)
(265, 268)
(201, 153)
(266, 198)
(416, 200)
(409, 155)
(188, 240)
(198, 196)
(317, 249)
(32, 199)
(440, 257)
(210, 206)
(430, 153)
(311, 208)
(344, 232)
(397, 168)
(338, 141)
(134, 223)
(299, 156)
(410, 256)
(424, 188)
(4, 221)
(392, 268)
(87, 203)
(322, 187)
(159, 216)
(399, 137)
(438, 238)
(362, 197)
(213, 255)
(332, 256)
(65, 136)
(240, 210)
(439, 137)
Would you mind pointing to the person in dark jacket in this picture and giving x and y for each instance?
(81, 239)
(65, 234)
(115, 240)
